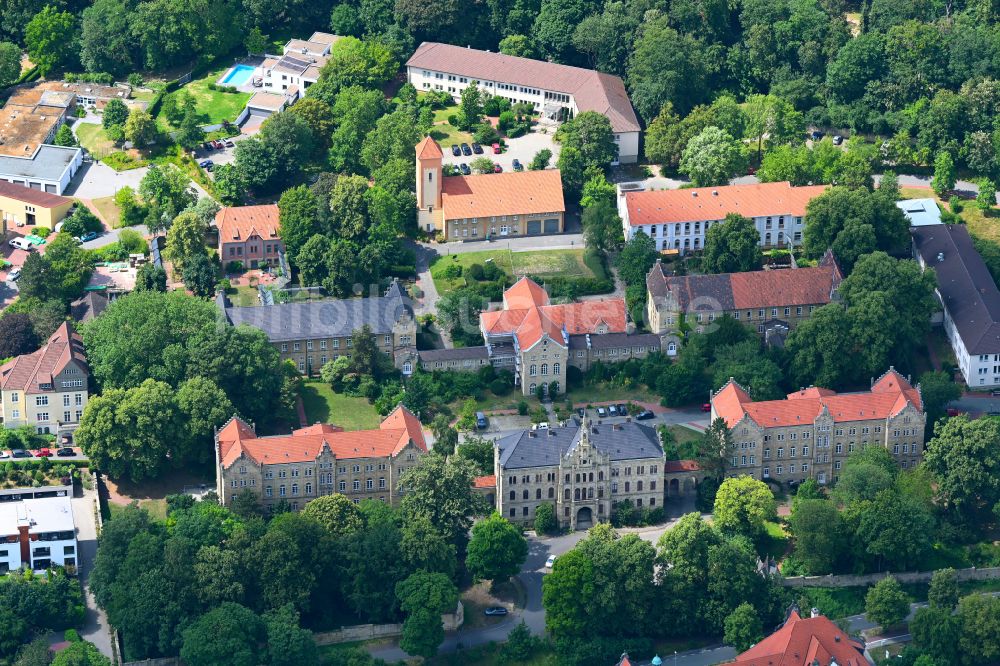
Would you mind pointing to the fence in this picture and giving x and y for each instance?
(848, 580)
(364, 632)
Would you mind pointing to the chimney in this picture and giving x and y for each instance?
(814, 612)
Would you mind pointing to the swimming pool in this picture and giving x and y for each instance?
(238, 75)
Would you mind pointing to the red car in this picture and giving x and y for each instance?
(43, 453)
(497, 168)
(707, 407)
(496, 148)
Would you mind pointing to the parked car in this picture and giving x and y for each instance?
(455, 150)
(20, 244)
(517, 165)
(815, 135)
(706, 407)
(19, 453)
(644, 415)
(89, 236)
(14, 274)
(207, 145)
(481, 421)
(466, 150)
(497, 168)
(622, 410)
(4, 455)
(837, 140)
(496, 148)
(43, 453)
(205, 163)
(601, 412)
(218, 145)
(540, 426)
(612, 410)
(477, 149)
(495, 611)
(464, 168)
(230, 144)
(550, 561)
(66, 452)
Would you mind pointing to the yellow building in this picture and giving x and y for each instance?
(24, 206)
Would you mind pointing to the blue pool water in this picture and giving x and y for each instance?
(238, 75)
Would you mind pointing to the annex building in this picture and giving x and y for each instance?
(969, 298)
(483, 206)
(37, 534)
(28, 124)
(47, 389)
(806, 642)
(680, 219)
(582, 469)
(310, 333)
(249, 235)
(558, 92)
(321, 459)
(810, 433)
(768, 300)
(21, 206)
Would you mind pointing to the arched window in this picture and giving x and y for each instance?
(767, 238)
(533, 370)
(555, 368)
(578, 477)
(576, 493)
(531, 389)
(552, 493)
(513, 496)
(600, 476)
(545, 369)
(538, 493)
(566, 494)
(591, 477)
(524, 495)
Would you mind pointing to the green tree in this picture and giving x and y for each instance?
(186, 239)
(666, 66)
(827, 215)
(572, 576)
(425, 548)
(200, 275)
(287, 643)
(518, 45)
(636, 258)
(470, 107)
(589, 133)
(540, 160)
(424, 597)
(497, 549)
(866, 473)
(50, 39)
(80, 653)
(986, 198)
(299, 218)
(10, 63)
(441, 490)
(255, 42)
(150, 277)
(140, 128)
(820, 535)
(168, 188)
(886, 604)
(742, 506)
(937, 389)
(189, 133)
(944, 173)
(712, 158)
(65, 137)
(229, 635)
(965, 462)
(936, 631)
(896, 529)
(943, 592)
(115, 114)
(336, 513)
(602, 227)
(979, 615)
(732, 246)
(545, 519)
(772, 117)
(743, 628)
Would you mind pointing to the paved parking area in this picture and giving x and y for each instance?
(522, 148)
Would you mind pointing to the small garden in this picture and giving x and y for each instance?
(471, 119)
(212, 104)
(36, 473)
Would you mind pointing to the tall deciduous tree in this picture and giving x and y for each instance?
(743, 628)
(50, 39)
(497, 549)
(732, 246)
(336, 513)
(964, 459)
(10, 63)
(229, 635)
(441, 489)
(712, 158)
(424, 597)
(886, 604)
(742, 506)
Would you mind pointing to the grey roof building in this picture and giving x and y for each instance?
(969, 296)
(323, 319)
(621, 441)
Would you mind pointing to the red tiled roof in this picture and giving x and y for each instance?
(528, 315)
(800, 286)
(305, 444)
(498, 194)
(889, 395)
(31, 196)
(428, 149)
(29, 371)
(238, 223)
(681, 466)
(485, 481)
(714, 203)
(803, 642)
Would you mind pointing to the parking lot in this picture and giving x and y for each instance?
(35, 454)
(523, 148)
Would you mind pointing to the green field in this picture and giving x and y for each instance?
(109, 210)
(324, 406)
(445, 133)
(93, 139)
(543, 263)
(212, 106)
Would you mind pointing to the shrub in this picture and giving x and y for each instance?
(955, 204)
(485, 134)
(135, 80)
(500, 387)
(453, 120)
(476, 272)
(453, 271)
(522, 408)
(43, 232)
(234, 267)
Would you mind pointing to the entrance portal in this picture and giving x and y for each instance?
(584, 518)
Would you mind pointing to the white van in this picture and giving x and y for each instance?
(20, 243)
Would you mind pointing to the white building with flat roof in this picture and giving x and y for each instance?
(37, 533)
(920, 212)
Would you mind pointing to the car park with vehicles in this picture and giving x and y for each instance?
(456, 150)
(477, 149)
(602, 412)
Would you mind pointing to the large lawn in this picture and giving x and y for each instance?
(109, 210)
(980, 226)
(324, 406)
(93, 139)
(212, 106)
(444, 132)
(542, 263)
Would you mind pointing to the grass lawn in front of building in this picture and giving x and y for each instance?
(109, 210)
(212, 106)
(540, 263)
(93, 139)
(157, 508)
(322, 405)
(979, 224)
(444, 132)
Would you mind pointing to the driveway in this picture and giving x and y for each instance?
(95, 180)
(520, 244)
(111, 236)
(522, 148)
(95, 624)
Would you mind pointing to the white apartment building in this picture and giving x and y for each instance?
(556, 91)
(680, 219)
(37, 534)
(46, 389)
(299, 65)
(969, 299)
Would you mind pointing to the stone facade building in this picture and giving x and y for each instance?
(321, 459)
(249, 235)
(812, 432)
(47, 389)
(582, 470)
(757, 298)
(310, 333)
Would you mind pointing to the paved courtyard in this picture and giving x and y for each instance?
(522, 148)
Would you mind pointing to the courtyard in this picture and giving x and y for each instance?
(542, 264)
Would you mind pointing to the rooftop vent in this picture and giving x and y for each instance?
(694, 194)
(940, 256)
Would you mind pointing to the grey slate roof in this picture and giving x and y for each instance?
(614, 340)
(324, 319)
(460, 354)
(628, 442)
(88, 306)
(967, 289)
